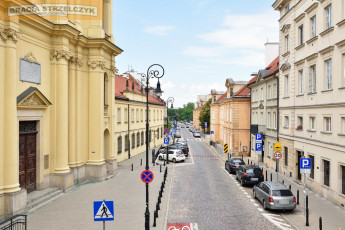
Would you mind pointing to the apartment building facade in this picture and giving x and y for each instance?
(264, 113)
(312, 92)
(130, 117)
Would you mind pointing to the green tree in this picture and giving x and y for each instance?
(205, 115)
(185, 113)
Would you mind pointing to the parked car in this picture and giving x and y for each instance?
(197, 134)
(178, 134)
(274, 195)
(232, 164)
(184, 148)
(249, 174)
(180, 140)
(174, 155)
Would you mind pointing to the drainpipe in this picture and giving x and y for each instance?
(250, 118)
(278, 119)
(129, 143)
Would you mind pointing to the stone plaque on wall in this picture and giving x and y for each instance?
(30, 71)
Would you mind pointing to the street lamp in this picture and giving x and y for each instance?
(152, 72)
(171, 100)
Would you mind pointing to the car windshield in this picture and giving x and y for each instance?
(254, 171)
(284, 192)
(238, 162)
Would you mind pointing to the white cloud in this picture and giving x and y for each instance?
(159, 30)
(196, 51)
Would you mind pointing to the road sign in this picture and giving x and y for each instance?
(170, 133)
(258, 147)
(277, 147)
(212, 132)
(147, 176)
(226, 147)
(205, 122)
(277, 155)
(180, 226)
(166, 141)
(166, 130)
(174, 131)
(199, 124)
(305, 165)
(258, 137)
(103, 210)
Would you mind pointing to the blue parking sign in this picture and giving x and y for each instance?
(166, 141)
(258, 136)
(258, 146)
(305, 165)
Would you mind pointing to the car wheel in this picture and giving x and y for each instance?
(160, 158)
(264, 204)
(254, 194)
(174, 160)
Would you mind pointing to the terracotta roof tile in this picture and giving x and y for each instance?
(253, 80)
(221, 97)
(273, 67)
(120, 87)
(244, 91)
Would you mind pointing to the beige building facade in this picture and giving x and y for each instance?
(56, 120)
(312, 92)
(130, 107)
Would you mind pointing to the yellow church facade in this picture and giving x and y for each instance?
(57, 83)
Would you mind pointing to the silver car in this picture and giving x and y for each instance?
(274, 195)
(197, 134)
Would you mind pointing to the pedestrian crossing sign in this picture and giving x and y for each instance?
(103, 210)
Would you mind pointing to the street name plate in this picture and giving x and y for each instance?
(29, 71)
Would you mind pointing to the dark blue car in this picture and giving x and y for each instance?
(249, 174)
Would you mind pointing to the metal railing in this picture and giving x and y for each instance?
(17, 222)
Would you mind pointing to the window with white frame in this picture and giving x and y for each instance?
(269, 92)
(286, 121)
(262, 94)
(274, 90)
(328, 17)
(329, 74)
(274, 120)
(230, 114)
(328, 124)
(300, 35)
(312, 123)
(227, 115)
(312, 79)
(300, 81)
(344, 68)
(286, 85)
(343, 124)
(141, 115)
(132, 115)
(269, 120)
(137, 115)
(287, 43)
(125, 115)
(119, 115)
(313, 26)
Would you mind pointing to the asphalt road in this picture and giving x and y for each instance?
(204, 193)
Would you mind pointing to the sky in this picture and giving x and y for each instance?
(200, 43)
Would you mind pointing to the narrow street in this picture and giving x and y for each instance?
(205, 194)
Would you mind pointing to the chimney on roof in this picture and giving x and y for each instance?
(271, 52)
(127, 85)
(133, 86)
(230, 87)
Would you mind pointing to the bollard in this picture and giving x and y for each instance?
(271, 177)
(248, 161)
(297, 196)
(283, 181)
(154, 219)
(141, 161)
(164, 163)
(307, 212)
(266, 175)
(132, 167)
(160, 168)
(290, 186)
(320, 223)
(251, 162)
(242, 157)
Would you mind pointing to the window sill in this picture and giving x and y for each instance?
(341, 88)
(341, 23)
(285, 127)
(299, 129)
(325, 132)
(327, 31)
(341, 134)
(312, 39)
(327, 90)
(325, 186)
(312, 93)
(119, 122)
(300, 95)
(300, 46)
(286, 54)
(311, 130)
(286, 97)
